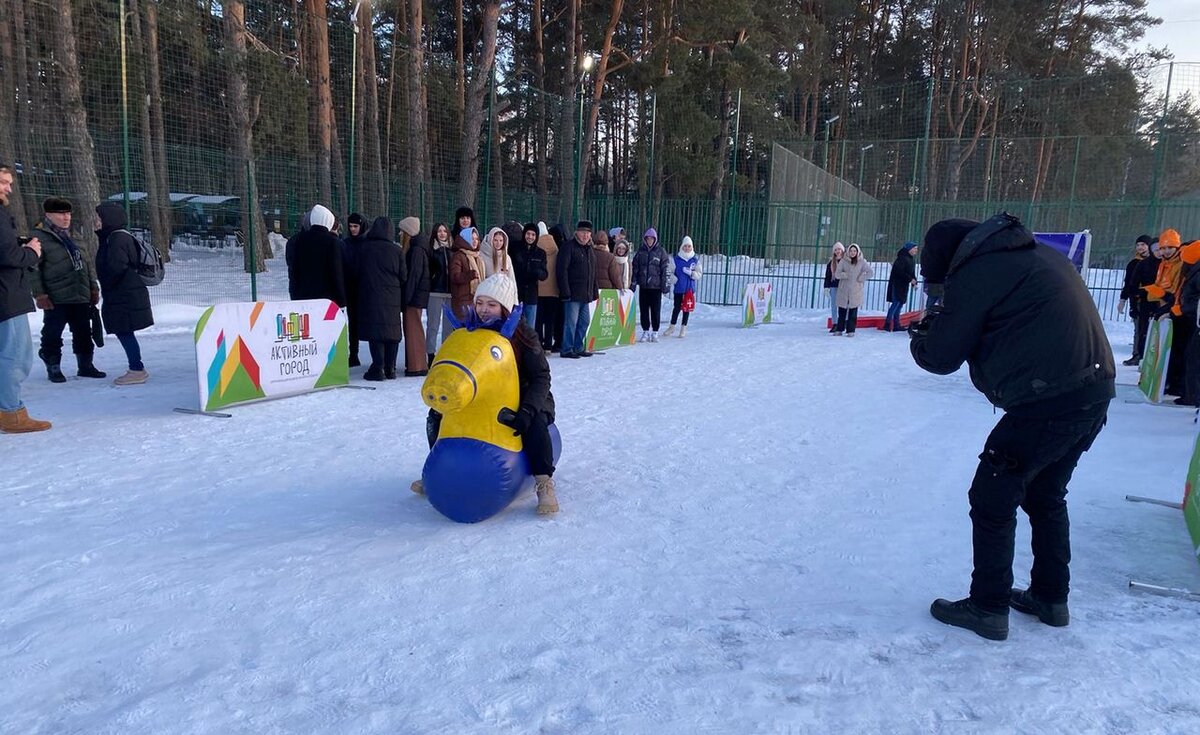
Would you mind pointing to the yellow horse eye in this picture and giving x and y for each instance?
(497, 354)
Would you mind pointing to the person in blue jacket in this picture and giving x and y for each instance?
(687, 272)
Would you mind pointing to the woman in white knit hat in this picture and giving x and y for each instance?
(495, 299)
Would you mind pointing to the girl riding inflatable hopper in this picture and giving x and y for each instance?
(495, 299)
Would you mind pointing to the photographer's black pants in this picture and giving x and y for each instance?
(539, 450)
(1027, 463)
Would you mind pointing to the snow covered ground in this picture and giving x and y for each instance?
(754, 524)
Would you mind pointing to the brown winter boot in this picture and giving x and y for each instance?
(418, 487)
(18, 422)
(547, 503)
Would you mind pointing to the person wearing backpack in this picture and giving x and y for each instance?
(65, 288)
(126, 299)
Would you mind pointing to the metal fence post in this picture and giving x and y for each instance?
(251, 206)
(1152, 210)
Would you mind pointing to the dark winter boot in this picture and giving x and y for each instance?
(374, 373)
(87, 369)
(1131, 361)
(964, 614)
(1050, 613)
(430, 359)
(55, 373)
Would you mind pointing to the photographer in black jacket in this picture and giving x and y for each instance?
(1021, 318)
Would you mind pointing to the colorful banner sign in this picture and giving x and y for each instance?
(757, 303)
(1191, 498)
(614, 320)
(1154, 363)
(270, 349)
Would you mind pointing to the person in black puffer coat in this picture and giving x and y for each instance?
(126, 306)
(314, 261)
(529, 267)
(381, 277)
(1021, 318)
(418, 257)
(356, 226)
(903, 276)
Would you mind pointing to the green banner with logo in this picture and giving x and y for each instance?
(614, 320)
(1154, 363)
(1191, 498)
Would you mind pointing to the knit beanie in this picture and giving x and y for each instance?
(1168, 239)
(410, 226)
(500, 287)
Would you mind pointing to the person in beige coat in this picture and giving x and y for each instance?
(853, 272)
(549, 311)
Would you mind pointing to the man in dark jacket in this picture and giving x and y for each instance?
(1021, 318)
(577, 289)
(64, 286)
(1137, 271)
(126, 309)
(314, 261)
(356, 232)
(529, 267)
(16, 345)
(381, 276)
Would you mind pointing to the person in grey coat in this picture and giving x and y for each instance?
(126, 306)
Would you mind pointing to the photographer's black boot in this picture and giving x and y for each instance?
(964, 614)
(1050, 613)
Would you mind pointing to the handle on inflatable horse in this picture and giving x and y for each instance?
(477, 466)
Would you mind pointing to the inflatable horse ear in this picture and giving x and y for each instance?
(513, 323)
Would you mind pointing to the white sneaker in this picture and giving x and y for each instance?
(670, 331)
(849, 334)
(654, 336)
(133, 377)
(683, 331)
(645, 336)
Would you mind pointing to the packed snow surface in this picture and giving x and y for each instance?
(753, 525)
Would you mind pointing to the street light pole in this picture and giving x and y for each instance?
(825, 188)
(585, 65)
(862, 153)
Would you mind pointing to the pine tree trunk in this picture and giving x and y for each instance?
(242, 118)
(160, 230)
(716, 190)
(589, 132)
(566, 122)
(419, 173)
(541, 148)
(374, 184)
(8, 81)
(157, 127)
(460, 102)
(84, 185)
(473, 128)
(323, 120)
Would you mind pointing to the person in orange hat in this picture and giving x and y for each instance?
(1180, 371)
(1160, 295)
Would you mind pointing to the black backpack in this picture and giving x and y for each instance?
(150, 263)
